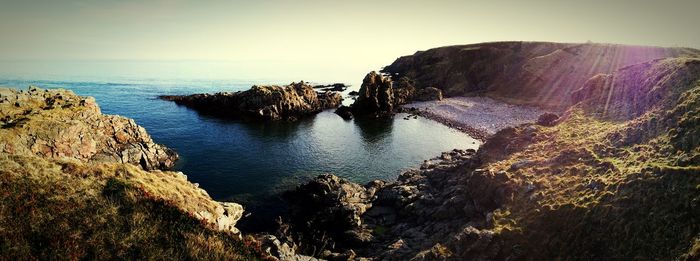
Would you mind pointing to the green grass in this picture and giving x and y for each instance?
(603, 191)
(67, 210)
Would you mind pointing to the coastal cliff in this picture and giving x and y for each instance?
(75, 183)
(533, 73)
(616, 176)
(262, 102)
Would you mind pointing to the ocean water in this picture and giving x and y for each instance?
(252, 162)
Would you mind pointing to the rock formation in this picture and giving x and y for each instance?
(535, 73)
(429, 94)
(59, 124)
(86, 185)
(262, 102)
(376, 96)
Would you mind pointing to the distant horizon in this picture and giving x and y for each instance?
(311, 39)
(214, 70)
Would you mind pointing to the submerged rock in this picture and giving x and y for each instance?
(262, 102)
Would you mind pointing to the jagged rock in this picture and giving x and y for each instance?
(404, 91)
(429, 94)
(77, 130)
(547, 119)
(232, 212)
(262, 102)
(284, 251)
(376, 96)
(328, 210)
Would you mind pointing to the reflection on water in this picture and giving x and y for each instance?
(373, 130)
(249, 161)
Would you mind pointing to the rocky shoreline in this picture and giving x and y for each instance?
(398, 220)
(479, 117)
(271, 102)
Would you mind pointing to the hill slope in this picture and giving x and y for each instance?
(77, 184)
(536, 73)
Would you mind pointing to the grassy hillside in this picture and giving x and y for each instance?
(77, 184)
(608, 182)
(69, 210)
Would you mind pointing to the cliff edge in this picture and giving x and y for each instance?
(77, 184)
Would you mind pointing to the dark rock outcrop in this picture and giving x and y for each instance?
(345, 112)
(412, 217)
(262, 102)
(547, 119)
(404, 91)
(337, 87)
(429, 94)
(60, 124)
(376, 96)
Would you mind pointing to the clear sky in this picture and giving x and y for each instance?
(300, 37)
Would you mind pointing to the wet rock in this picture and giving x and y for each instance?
(344, 112)
(289, 102)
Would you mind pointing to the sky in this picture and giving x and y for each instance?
(324, 40)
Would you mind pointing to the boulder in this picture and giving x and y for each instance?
(262, 102)
(429, 94)
(547, 119)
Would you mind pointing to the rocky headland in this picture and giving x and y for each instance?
(271, 102)
(75, 183)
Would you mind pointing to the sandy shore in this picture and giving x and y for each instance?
(479, 117)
